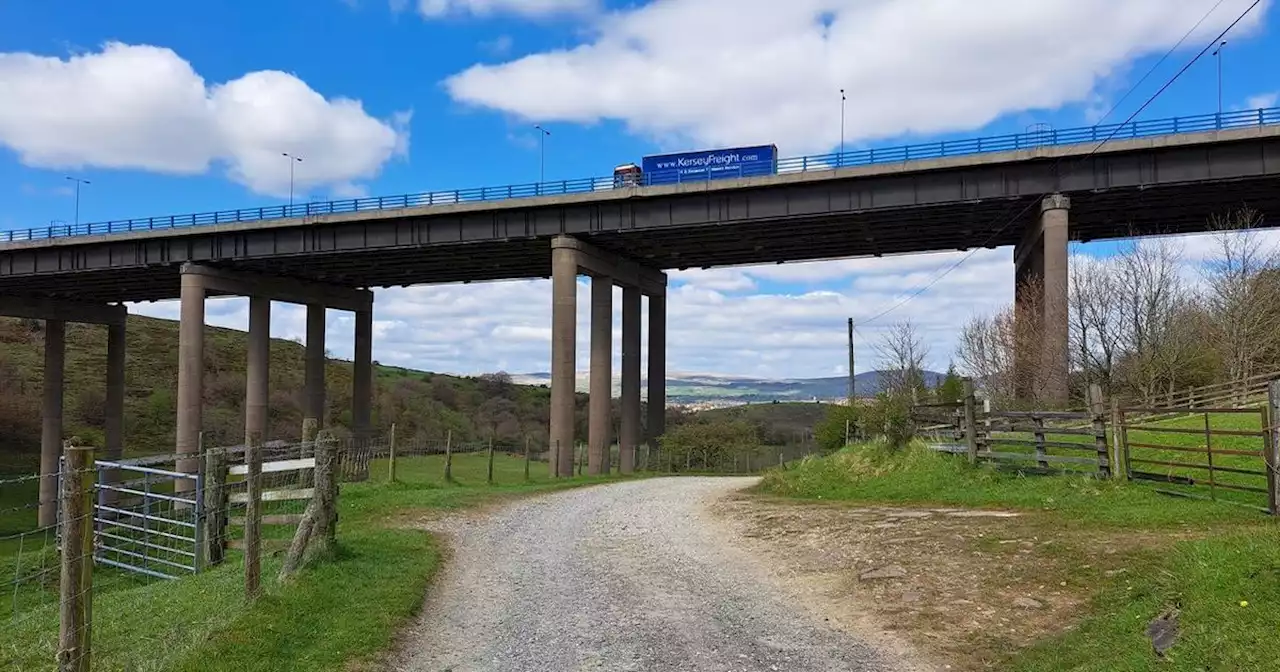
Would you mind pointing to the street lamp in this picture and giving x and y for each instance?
(292, 160)
(78, 182)
(542, 156)
(840, 159)
(1218, 54)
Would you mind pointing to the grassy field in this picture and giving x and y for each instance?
(335, 616)
(1217, 564)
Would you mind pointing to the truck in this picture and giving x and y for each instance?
(714, 164)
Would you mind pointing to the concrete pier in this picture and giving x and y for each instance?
(190, 421)
(600, 406)
(657, 399)
(564, 319)
(1041, 304)
(55, 348)
(569, 257)
(257, 371)
(629, 436)
(362, 383)
(314, 376)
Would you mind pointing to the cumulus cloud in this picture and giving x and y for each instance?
(145, 107)
(730, 72)
(433, 9)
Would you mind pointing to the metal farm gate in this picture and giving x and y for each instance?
(1213, 453)
(148, 517)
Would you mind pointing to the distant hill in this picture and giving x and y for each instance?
(698, 389)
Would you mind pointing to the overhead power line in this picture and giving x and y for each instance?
(1080, 159)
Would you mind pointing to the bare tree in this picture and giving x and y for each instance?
(902, 353)
(1242, 295)
(987, 354)
(1096, 328)
(1152, 294)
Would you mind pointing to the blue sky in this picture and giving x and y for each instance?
(448, 92)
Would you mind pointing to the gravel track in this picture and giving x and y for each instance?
(629, 576)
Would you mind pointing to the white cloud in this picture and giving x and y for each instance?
(432, 9)
(735, 72)
(144, 107)
(1262, 100)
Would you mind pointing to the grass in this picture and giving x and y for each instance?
(1207, 558)
(336, 615)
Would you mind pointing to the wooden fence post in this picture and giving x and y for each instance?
(215, 506)
(1272, 444)
(1117, 459)
(970, 421)
(253, 516)
(489, 479)
(1041, 462)
(448, 457)
(326, 492)
(76, 583)
(526, 459)
(1097, 412)
(310, 427)
(391, 460)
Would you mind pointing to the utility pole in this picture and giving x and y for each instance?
(852, 391)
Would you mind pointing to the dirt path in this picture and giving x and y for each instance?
(632, 576)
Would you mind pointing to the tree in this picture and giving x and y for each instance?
(839, 424)
(1152, 294)
(902, 353)
(1096, 329)
(1243, 295)
(988, 352)
(951, 389)
(710, 444)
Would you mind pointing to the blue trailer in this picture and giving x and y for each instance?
(715, 164)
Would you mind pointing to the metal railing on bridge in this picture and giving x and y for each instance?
(1040, 137)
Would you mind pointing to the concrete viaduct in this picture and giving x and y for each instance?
(1035, 199)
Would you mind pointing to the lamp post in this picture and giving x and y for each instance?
(78, 182)
(542, 155)
(840, 159)
(1217, 53)
(292, 160)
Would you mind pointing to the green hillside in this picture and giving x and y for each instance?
(423, 405)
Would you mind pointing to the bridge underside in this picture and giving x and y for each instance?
(992, 222)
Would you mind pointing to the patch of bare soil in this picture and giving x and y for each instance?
(966, 588)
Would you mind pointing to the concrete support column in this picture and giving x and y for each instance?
(600, 420)
(629, 437)
(362, 385)
(113, 414)
(657, 374)
(1053, 364)
(55, 335)
(564, 318)
(257, 372)
(190, 377)
(314, 379)
(1041, 308)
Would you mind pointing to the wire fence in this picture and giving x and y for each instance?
(1040, 137)
(141, 536)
